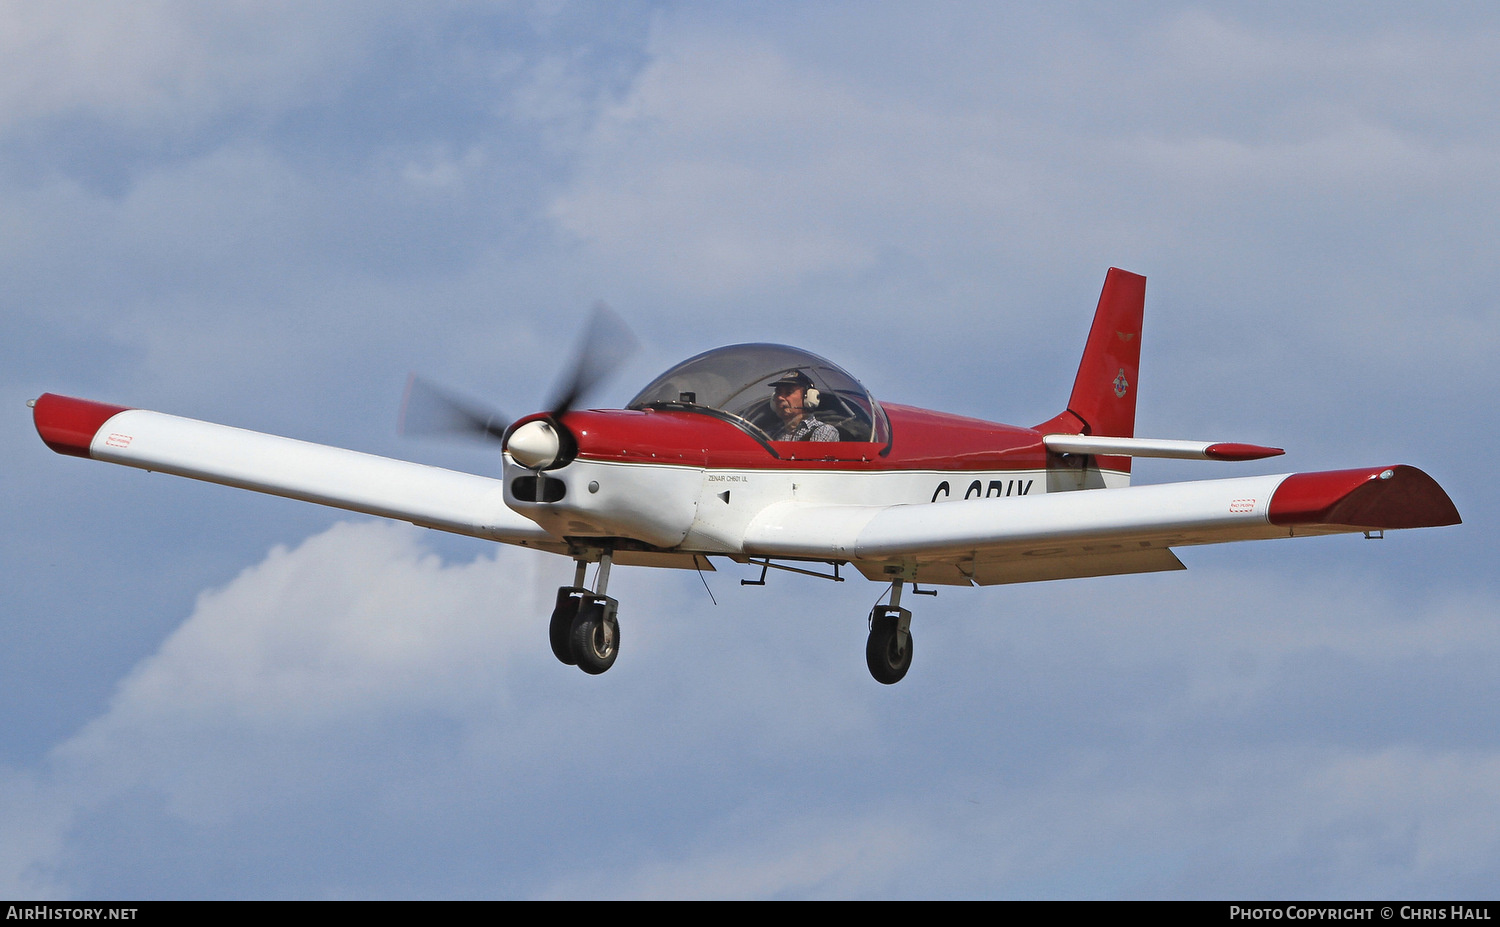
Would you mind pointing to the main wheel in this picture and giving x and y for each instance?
(560, 631)
(596, 638)
(888, 661)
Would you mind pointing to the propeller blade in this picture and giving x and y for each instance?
(605, 345)
(428, 411)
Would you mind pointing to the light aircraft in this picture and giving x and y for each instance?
(699, 465)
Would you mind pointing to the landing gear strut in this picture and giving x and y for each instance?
(584, 631)
(888, 651)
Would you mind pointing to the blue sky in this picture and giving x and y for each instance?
(267, 214)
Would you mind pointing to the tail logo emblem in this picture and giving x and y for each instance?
(1121, 384)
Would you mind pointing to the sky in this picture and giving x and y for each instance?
(267, 214)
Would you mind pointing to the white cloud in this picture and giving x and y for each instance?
(163, 62)
(1422, 72)
(811, 856)
(165, 65)
(733, 167)
(283, 676)
(35, 822)
(356, 625)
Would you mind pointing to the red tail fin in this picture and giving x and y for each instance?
(1103, 400)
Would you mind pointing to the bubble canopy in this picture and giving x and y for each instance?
(734, 382)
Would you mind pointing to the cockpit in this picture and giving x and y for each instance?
(736, 383)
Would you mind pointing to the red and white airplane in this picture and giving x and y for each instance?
(698, 465)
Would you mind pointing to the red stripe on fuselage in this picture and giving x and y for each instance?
(68, 425)
(921, 440)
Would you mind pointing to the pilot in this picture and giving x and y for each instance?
(795, 398)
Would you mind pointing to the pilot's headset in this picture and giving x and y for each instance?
(810, 395)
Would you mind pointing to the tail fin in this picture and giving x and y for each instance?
(1103, 400)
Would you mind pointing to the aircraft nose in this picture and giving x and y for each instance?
(534, 445)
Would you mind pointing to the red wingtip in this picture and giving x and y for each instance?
(68, 425)
(1231, 451)
(1375, 498)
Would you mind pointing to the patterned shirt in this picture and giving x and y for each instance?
(809, 429)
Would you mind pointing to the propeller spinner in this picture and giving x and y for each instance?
(535, 445)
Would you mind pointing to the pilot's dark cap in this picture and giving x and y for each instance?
(793, 378)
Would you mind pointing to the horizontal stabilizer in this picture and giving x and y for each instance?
(1154, 447)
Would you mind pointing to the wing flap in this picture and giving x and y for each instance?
(432, 497)
(927, 572)
(1040, 569)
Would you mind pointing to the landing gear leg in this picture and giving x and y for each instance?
(888, 651)
(594, 635)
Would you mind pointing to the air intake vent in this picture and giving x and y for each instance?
(538, 489)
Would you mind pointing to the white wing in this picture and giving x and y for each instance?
(1094, 532)
(432, 497)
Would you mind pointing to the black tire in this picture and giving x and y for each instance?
(888, 663)
(596, 640)
(561, 629)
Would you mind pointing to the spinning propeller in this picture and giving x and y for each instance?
(431, 411)
(428, 411)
